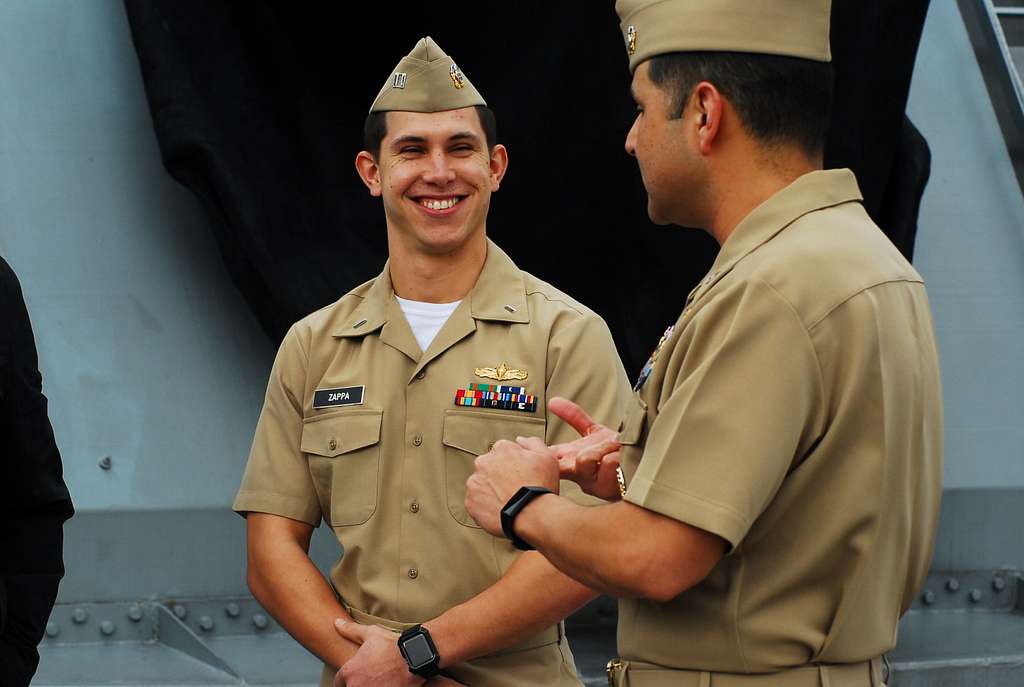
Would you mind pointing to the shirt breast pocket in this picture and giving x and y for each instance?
(343, 449)
(468, 434)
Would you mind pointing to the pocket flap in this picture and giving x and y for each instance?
(338, 433)
(476, 432)
(633, 422)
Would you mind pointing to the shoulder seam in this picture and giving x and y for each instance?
(807, 336)
(868, 287)
(549, 299)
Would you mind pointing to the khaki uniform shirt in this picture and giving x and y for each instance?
(795, 411)
(388, 474)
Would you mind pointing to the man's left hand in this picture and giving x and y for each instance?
(501, 472)
(378, 661)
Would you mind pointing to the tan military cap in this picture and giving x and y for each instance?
(426, 80)
(796, 28)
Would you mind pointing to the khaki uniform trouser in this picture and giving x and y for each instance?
(541, 660)
(635, 674)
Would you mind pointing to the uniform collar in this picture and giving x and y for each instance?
(499, 294)
(810, 192)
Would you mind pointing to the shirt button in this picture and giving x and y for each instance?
(418, 439)
(413, 573)
(421, 374)
(414, 507)
(332, 444)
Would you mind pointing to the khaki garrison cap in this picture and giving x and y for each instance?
(426, 80)
(795, 28)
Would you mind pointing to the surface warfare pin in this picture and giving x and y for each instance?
(343, 396)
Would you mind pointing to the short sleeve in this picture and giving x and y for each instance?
(584, 367)
(746, 398)
(277, 478)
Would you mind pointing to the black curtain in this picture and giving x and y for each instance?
(258, 107)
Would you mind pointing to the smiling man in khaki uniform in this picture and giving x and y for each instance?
(782, 452)
(378, 405)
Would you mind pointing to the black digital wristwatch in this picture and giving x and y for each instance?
(515, 504)
(419, 652)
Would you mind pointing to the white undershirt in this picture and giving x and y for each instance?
(426, 319)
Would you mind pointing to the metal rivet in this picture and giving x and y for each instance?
(952, 584)
(135, 613)
(180, 611)
(206, 623)
(107, 627)
(260, 621)
(413, 573)
(359, 324)
(928, 598)
(79, 616)
(975, 595)
(998, 584)
(414, 507)
(232, 610)
(106, 462)
(52, 629)
(332, 444)
(510, 307)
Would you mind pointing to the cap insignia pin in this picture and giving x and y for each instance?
(502, 373)
(458, 80)
(399, 80)
(631, 37)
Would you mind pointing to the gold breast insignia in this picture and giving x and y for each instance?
(501, 373)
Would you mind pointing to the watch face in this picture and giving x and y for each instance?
(418, 651)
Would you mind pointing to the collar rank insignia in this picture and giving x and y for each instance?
(649, 365)
(499, 396)
(399, 80)
(458, 79)
(631, 38)
(501, 373)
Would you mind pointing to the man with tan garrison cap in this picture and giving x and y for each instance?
(781, 455)
(378, 405)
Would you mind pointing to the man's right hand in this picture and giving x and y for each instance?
(592, 460)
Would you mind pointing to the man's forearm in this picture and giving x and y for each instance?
(589, 544)
(285, 581)
(620, 549)
(529, 598)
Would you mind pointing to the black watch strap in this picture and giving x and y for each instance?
(514, 506)
(419, 652)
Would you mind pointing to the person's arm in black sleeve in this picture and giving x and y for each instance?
(34, 501)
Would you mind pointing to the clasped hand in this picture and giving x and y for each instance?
(378, 662)
(591, 461)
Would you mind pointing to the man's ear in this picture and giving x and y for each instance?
(499, 164)
(708, 108)
(369, 172)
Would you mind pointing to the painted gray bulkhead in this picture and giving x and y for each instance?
(151, 357)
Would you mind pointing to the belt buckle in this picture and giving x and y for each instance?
(613, 667)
